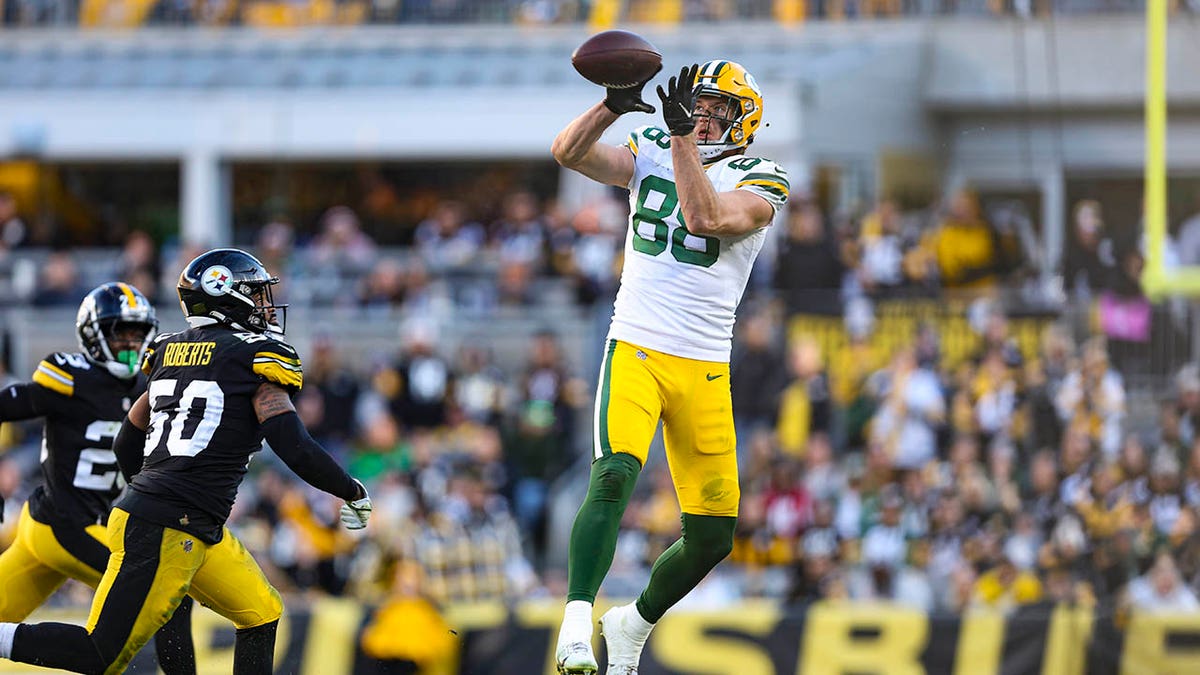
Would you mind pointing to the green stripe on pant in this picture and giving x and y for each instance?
(605, 394)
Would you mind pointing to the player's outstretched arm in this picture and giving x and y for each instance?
(282, 428)
(706, 211)
(130, 444)
(23, 401)
(709, 213)
(577, 147)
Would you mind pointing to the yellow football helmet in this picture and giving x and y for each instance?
(729, 80)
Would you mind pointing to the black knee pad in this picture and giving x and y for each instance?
(93, 662)
(173, 642)
(254, 650)
(184, 608)
(259, 632)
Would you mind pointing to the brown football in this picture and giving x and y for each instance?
(617, 59)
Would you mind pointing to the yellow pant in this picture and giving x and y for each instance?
(640, 386)
(41, 559)
(152, 567)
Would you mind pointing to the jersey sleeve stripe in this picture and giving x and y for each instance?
(50, 367)
(146, 365)
(633, 143)
(768, 176)
(59, 382)
(273, 371)
(279, 363)
(278, 357)
(770, 186)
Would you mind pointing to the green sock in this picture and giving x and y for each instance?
(705, 542)
(594, 535)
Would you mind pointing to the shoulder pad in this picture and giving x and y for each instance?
(277, 361)
(57, 371)
(155, 344)
(762, 177)
(254, 338)
(647, 137)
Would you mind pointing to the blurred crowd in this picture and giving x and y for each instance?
(960, 247)
(91, 13)
(914, 424)
(532, 253)
(958, 250)
(1007, 477)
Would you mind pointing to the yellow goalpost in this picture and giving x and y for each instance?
(1158, 281)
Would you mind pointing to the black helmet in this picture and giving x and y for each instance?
(231, 287)
(106, 309)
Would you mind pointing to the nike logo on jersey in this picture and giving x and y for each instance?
(710, 377)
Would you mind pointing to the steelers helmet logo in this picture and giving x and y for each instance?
(217, 280)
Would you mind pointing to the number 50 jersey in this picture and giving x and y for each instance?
(203, 427)
(679, 291)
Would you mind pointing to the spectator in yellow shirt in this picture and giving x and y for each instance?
(408, 634)
(804, 406)
(1006, 587)
(963, 245)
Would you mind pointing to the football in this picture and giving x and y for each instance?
(617, 59)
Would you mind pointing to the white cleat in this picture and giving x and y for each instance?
(576, 658)
(624, 650)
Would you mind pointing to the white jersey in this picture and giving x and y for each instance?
(679, 291)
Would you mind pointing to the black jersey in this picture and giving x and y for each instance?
(83, 405)
(203, 427)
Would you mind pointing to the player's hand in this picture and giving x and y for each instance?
(356, 513)
(629, 99)
(678, 102)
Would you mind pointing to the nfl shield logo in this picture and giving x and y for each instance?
(187, 545)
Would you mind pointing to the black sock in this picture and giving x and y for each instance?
(254, 650)
(173, 642)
